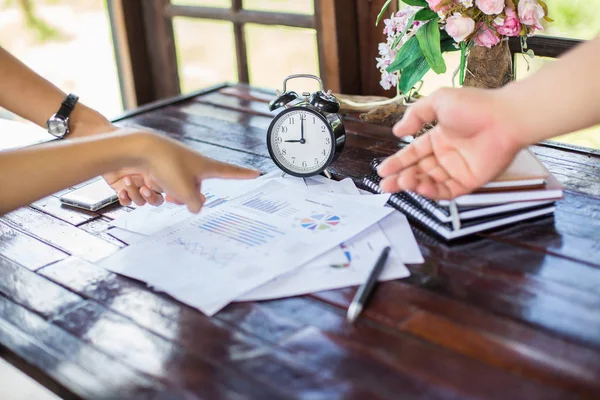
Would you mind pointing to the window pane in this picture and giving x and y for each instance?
(205, 52)
(525, 66)
(203, 3)
(70, 44)
(276, 52)
(573, 18)
(287, 6)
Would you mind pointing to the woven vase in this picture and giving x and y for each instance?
(489, 68)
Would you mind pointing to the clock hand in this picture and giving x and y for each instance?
(302, 130)
(294, 141)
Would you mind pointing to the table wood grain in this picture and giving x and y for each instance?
(509, 314)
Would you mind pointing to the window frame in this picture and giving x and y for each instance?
(347, 41)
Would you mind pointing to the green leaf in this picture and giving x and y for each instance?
(420, 3)
(380, 15)
(413, 74)
(429, 41)
(401, 35)
(425, 14)
(408, 53)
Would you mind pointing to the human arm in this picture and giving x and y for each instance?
(32, 97)
(32, 173)
(478, 131)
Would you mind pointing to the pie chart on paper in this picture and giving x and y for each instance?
(317, 222)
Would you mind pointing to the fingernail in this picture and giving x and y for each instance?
(127, 181)
(122, 195)
(146, 192)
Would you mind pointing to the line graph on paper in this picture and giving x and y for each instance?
(213, 200)
(218, 256)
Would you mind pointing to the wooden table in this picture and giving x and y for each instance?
(511, 314)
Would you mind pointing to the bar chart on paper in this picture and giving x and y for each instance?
(260, 203)
(244, 230)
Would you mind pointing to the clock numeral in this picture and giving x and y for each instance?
(284, 129)
(316, 161)
(293, 160)
(302, 117)
(292, 120)
(314, 120)
(322, 128)
(327, 141)
(324, 152)
(304, 163)
(283, 151)
(279, 139)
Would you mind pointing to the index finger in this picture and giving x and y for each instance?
(417, 115)
(218, 169)
(406, 157)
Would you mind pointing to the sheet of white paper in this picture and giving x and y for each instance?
(125, 236)
(361, 253)
(148, 219)
(212, 259)
(398, 231)
(345, 186)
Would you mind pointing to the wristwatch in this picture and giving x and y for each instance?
(58, 124)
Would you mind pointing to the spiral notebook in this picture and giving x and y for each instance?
(416, 214)
(466, 213)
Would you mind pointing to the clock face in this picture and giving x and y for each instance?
(301, 142)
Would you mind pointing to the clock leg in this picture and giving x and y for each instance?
(327, 174)
(283, 174)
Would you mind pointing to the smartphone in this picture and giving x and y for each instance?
(91, 197)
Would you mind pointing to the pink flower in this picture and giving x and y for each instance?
(459, 27)
(435, 5)
(490, 7)
(511, 26)
(485, 36)
(530, 13)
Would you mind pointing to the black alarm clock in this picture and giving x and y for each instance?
(308, 136)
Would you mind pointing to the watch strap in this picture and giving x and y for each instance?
(67, 106)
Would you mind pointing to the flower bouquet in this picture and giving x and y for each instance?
(420, 33)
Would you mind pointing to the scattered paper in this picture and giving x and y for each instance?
(148, 219)
(125, 236)
(361, 253)
(216, 257)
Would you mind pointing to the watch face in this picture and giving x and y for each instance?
(57, 126)
(301, 141)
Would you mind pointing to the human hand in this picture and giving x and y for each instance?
(131, 184)
(180, 170)
(475, 139)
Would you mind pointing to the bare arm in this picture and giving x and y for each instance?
(32, 97)
(560, 98)
(43, 170)
(32, 173)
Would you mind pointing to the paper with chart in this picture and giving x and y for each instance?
(148, 219)
(214, 258)
(361, 253)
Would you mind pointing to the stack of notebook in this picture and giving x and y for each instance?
(525, 190)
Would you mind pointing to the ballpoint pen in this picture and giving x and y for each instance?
(364, 291)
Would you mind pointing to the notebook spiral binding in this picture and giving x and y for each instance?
(404, 205)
